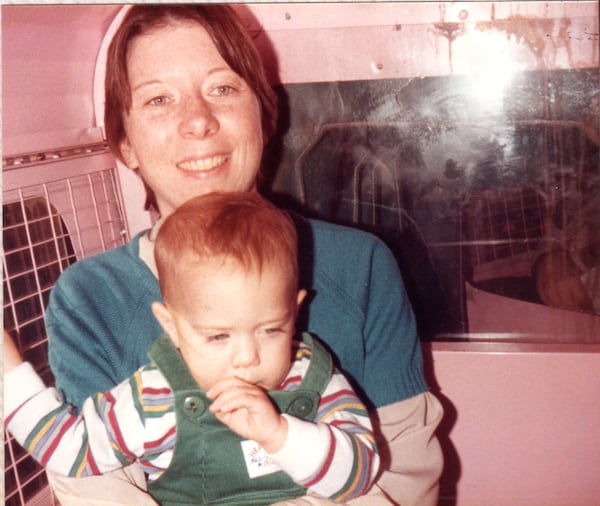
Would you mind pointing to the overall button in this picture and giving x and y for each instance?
(194, 405)
(301, 406)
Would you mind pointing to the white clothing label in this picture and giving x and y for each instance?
(258, 462)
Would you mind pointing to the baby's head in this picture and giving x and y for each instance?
(228, 273)
(241, 227)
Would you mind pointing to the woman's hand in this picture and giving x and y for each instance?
(249, 412)
(12, 357)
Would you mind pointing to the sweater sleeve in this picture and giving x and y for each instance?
(99, 322)
(393, 364)
(359, 307)
(335, 457)
(79, 355)
(106, 435)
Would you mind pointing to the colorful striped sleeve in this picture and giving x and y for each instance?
(108, 433)
(337, 456)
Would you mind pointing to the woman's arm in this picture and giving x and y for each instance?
(362, 311)
(406, 428)
(411, 478)
(359, 307)
(99, 322)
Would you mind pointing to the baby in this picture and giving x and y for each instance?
(232, 409)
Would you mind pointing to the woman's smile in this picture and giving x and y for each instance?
(203, 164)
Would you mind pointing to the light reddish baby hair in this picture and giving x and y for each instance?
(237, 225)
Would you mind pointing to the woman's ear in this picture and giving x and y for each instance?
(128, 154)
(165, 317)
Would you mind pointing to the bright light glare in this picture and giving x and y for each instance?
(491, 59)
(490, 81)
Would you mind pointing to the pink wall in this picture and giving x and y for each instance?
(521, 427)
(48, 58)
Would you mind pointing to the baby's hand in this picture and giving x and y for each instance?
(249, 412)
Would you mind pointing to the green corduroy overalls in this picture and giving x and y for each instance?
(208, 465)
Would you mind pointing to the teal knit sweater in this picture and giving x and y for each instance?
(100, 324)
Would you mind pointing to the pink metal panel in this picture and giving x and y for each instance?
(521, 427)
(48, 58)
(313, 42)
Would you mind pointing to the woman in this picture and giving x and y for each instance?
(189, 108)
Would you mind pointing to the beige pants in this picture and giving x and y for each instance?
(125, 487)
(310, 500)
(68, 491)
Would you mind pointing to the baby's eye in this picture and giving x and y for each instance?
(218, 337)
(274, 330)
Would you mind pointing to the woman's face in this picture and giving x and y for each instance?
(194, 125)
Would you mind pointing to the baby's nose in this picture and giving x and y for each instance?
(246, 354)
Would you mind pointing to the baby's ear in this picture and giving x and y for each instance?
(300, 298)
(165, 317)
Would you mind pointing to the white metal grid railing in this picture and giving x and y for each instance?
(47, 225)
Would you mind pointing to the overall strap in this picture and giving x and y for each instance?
(304, 401)
(164, 354)
(320, 368)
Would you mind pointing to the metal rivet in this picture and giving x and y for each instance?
(301, 406)
(194, 405)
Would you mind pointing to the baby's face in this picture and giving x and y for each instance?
(228, 322)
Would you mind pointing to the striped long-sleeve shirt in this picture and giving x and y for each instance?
(334, 456)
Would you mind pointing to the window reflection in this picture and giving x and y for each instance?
(484, 182)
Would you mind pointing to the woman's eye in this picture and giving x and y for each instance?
(161, 100)
(223, 90)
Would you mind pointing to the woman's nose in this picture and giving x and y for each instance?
(197, 118)
(246, 353)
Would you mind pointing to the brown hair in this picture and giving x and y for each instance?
(238, 225)
(227, 33)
